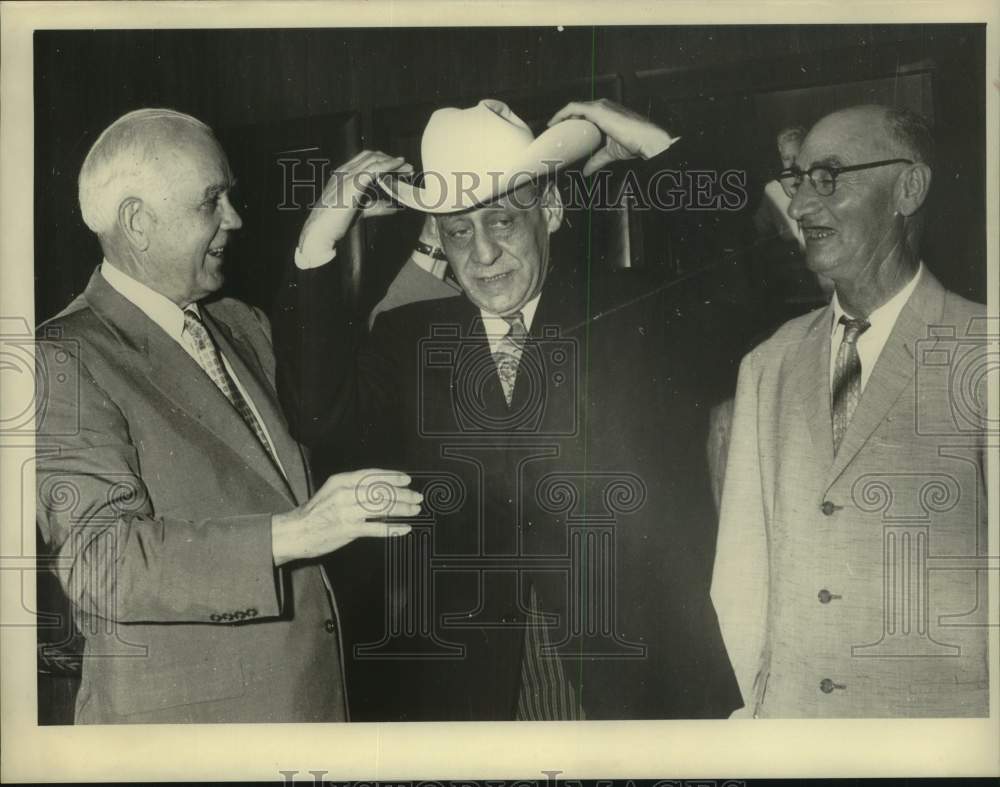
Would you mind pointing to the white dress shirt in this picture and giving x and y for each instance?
(871, 342)
(170, 317)
(497, 327)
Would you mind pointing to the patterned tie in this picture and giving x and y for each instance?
(846, 378)
(508, 353)
(211, 361)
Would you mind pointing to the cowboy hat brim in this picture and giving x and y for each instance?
(450, 192)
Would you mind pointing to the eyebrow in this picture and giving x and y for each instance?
(217, 188)
(827, 161)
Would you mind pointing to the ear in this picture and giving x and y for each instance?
(912, 187)
(134, 222)
(552, 207)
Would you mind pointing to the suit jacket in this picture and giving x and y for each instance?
(846, 585)
(156, 499)
(598, 465)
(413, 283)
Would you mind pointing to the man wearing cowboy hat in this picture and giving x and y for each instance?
(561, 568)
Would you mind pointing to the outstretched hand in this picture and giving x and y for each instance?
(629, 134)
(348, 506)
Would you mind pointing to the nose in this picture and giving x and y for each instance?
(230, 218)
(804, 201)
(486, 250)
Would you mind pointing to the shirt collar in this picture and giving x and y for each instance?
(160, 309)
(888, 312)
(495, 325)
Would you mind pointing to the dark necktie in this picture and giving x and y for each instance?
(508, 353)
(846, 378)
(211, 361)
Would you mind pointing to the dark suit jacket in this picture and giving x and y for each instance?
(157, 500)
(592, 487)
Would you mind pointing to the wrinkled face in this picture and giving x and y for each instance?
(852, 230)
(500, 253)
(192, 219)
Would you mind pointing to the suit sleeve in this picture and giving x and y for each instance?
(740, 573)
(316, 339)
(115, 558)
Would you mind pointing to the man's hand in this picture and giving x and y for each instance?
(346, 507)
(343, 197)
(629, 134)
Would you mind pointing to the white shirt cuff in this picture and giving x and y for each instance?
(304, 261)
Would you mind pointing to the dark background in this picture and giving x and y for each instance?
(321, 95)
(725, 90)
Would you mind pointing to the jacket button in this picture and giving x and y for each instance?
(827, 686)
(329, 626)
(825, 596)
(827, 508)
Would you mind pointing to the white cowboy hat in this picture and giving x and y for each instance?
(472, 156)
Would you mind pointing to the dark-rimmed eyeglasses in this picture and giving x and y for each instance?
(823, 177)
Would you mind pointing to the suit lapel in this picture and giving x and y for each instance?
(180, 379)
(236, 346)
(893, 370)
(809, 382)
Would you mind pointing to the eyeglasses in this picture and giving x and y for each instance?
(823, 177)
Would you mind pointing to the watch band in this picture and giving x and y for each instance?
(430, 251)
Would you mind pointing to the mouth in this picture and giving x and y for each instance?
(217, 252)
(495, 279)
(817, 233)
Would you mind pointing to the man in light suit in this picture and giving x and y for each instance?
(854, 512)
(170, 492)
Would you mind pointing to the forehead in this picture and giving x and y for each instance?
(847, 138)
(525, 199)
(194, 158)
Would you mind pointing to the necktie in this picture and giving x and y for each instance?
(508, 353)
(846, 378)
(211, 361)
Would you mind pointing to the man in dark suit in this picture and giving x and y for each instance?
(561, 570)
(170, 491)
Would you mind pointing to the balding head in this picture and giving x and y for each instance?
(131, 158)
(893, 131)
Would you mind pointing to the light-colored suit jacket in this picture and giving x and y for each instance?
(853, 585)
(156, 498)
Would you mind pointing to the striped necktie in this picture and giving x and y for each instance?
(508, 353)
(211, 361)
(846, 378)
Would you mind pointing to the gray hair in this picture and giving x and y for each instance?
(121, 162)
(790, 134)
(911, 133)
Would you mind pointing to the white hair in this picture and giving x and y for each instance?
(121, 163)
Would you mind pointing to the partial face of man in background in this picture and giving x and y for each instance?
(500, 252)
